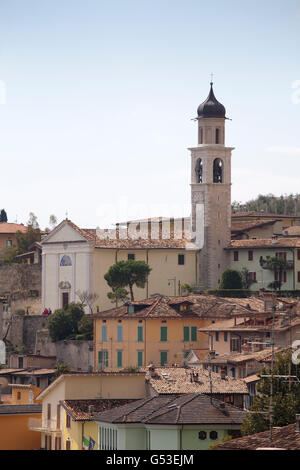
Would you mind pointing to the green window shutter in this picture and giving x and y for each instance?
(120, 334)
(194, 333)
(119, 358)
(163, 358)
(186, 333)
(104, 333)
(140, 334)
(164, 333)
(140, 359)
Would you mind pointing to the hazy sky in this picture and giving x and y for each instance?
(97, 99)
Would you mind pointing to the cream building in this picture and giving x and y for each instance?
(75, 259)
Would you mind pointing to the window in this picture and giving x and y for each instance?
(140, 334)
(103, 358)
(298, 255)
(190, 333)
(217, 336)
(8, 243)
(217, 136)
(66, 261)
(225, 336)
(58, 417)
(201, 135)
(131, 256)
(68, 421)
(181, 260)
(104, 333)
(18, 395)
(250, 255)
(68, 444)
(218, 171)
(298, 276)
(58, 443)
(120, 334)
(213, 435)
(202, 435)
(49, 411)
(235, 256)
(252, 276)
(65, 299)
(164, 333)
(281, 255)
(140, 361)
(163, 358)
(119, 358)
(199, 171)
(108, 438)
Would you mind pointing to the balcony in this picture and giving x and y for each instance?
(269, 265)
(43, 425)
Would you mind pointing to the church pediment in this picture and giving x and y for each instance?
(65, 232)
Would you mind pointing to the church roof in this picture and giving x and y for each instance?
(211, 108)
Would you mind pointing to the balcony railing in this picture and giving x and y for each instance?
(270, 265)
(43, 425)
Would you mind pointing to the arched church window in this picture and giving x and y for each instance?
(217, 136)
(218, 171)
(199, 171)
(66, 261)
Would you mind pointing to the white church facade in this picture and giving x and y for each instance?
(76, 259)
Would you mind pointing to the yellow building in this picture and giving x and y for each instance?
(160, 330)
(60, 426)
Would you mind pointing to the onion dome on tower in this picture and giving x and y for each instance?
(211, 108)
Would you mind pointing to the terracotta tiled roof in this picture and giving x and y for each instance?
(174, 409)
(203, 306)
(259, 215)
(294, 230)
(244, 226)
(260, 356)
(228, 325)
(285, 437)
(283, 242)
(168, 380)
(144, 244)
(79, 409)
(6, 227)
(36, 372)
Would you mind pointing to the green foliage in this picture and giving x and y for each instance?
(3, 216)
(215, 445)
(285, 204)
(24, 240)
(85, 328)
(64, 323)
(127, 274)
(60, 369)
(237, 293)
(246, 280)
(186, 289)
(231, 279)
(286, 398)
(118, 295)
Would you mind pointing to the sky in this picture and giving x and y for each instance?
(97, 100)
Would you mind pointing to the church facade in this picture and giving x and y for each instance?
(75, 259)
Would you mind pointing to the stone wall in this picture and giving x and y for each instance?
(20, 277)
(22, 333)
(77, 354)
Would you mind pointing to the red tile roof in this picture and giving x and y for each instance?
(6, 227)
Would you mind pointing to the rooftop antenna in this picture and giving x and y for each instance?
(211, 78)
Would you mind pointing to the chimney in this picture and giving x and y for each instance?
(117, 231)
(298, 423)
(91, 409)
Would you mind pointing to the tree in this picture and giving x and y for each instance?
(278, 265)
(87, 298)
(85, 328)
(246, 279)
(24, 240)
(64, 323)
(118, 295)
(32, 221)
(128, 274)
(286, 397)
(3, 216)
(52, 221)
(231, 279)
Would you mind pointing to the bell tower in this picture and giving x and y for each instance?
(211, 192)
